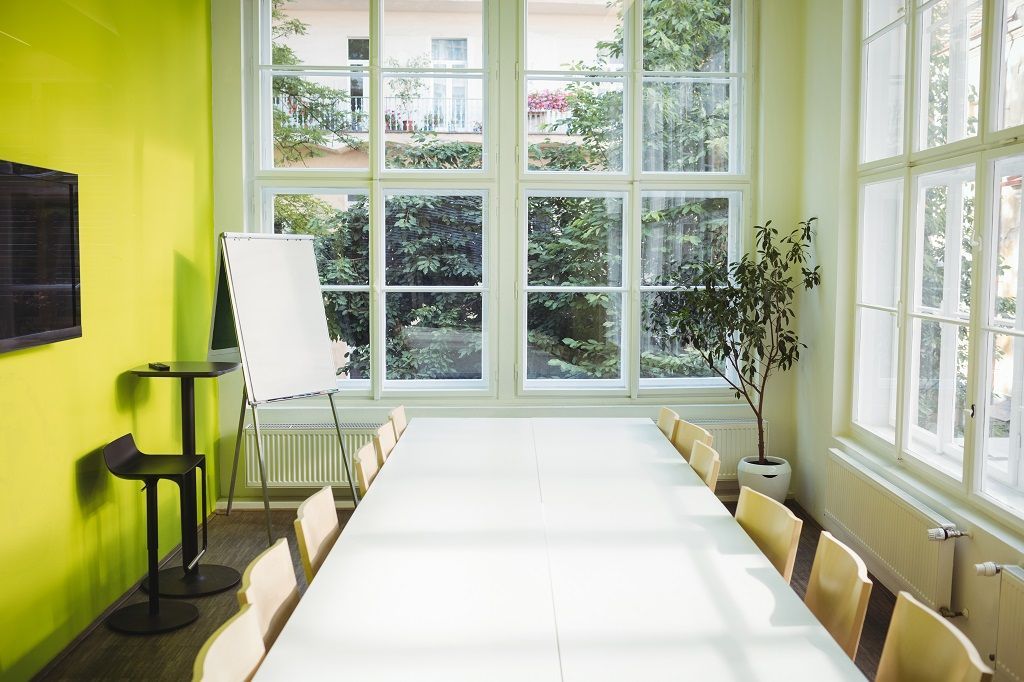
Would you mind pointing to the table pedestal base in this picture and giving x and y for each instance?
(205, 579)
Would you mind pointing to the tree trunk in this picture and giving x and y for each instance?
(761, 454)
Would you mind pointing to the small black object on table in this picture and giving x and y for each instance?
(124, 460)
(194, 580)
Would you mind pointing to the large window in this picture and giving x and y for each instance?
(938, 365)
(448, 224)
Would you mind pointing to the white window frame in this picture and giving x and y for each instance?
(504, 186)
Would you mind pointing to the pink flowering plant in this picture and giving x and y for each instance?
(547, 100)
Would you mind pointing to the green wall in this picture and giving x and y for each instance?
(117, 91)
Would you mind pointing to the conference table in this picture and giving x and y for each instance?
(547, 549)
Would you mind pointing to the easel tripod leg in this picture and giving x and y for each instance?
(263, 472)
(344, 455)
(238, 447)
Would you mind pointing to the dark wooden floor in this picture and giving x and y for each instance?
(235, 540)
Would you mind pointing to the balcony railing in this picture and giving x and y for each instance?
(432, 114)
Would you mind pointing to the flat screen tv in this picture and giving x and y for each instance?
(40, 299)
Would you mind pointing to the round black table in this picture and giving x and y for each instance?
(192, 579)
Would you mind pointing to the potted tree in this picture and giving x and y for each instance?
(739, 317)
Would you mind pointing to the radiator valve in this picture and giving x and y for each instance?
(988, 569)
(946, 532)
(947, 612)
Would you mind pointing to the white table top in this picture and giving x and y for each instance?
(547, 549)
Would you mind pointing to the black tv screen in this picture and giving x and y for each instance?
(40, 299)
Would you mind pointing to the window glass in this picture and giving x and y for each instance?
(317, 122)
(937, 400)
(1004, 416)
(881, 13)
(681, 230)
(433, 122)
(1008, 254)
(593, 44)
(414, 29)
(573, 335)
(880, 231)
(882, 95)
(575, 241)
(312, 32)
(950, 79)
(433, 242)
(944, 242)
(1010, 111)
(875, 374)
(687, 125)
(687, 36)
(575, 125)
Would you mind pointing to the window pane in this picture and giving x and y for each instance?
(880, 230)
(411, 26)
(348, 321)
(680, 230)
(313, 31)
(317, 123)
(573, 335)
(341, 225)
(434, 335)
(1010, 217)
(882, 93)
(687, 125)
(944, 241)
(574, 125)
(937, 399)
(951, 59)
(1004, 457)
(433, 239)
(433, 122)
(875, 383)
(1011, 84)
(574, 240)
(665, 356)
(687, 36)
(574, 35)
(881, 13)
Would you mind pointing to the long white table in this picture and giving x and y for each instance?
(547, 549)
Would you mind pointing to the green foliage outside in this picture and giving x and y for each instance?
(438, 240)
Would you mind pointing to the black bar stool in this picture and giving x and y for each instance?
(124, 460)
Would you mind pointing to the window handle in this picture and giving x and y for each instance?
(972, 410)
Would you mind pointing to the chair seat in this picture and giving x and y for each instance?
(158, 466)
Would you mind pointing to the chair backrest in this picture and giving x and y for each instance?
(233, 652)
(922, 645)
(772, 527)
(667, 420)
(838, 591)
(366, 466)
(269, 586)
(399, 420)
(384, 442)
(686, 435)
(118, 453)
(706, 462)
(316, 529)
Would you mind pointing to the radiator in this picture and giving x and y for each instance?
(734, 440)
(303, 455)
(891, 530)
(1009, 652)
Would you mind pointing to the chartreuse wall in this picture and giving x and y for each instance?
(117, 91)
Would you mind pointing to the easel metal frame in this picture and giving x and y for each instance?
(246, 404)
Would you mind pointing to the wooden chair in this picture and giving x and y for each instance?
(233, 652)
(772, 527)
(269, 586)
(316, 529)
(366, 466)
(922, 645)
(399, 420)
(838, 592)
(384, 442)
(686, 435)
(706, 462)
(667, 421)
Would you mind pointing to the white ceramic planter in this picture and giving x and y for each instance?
(769, 479)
